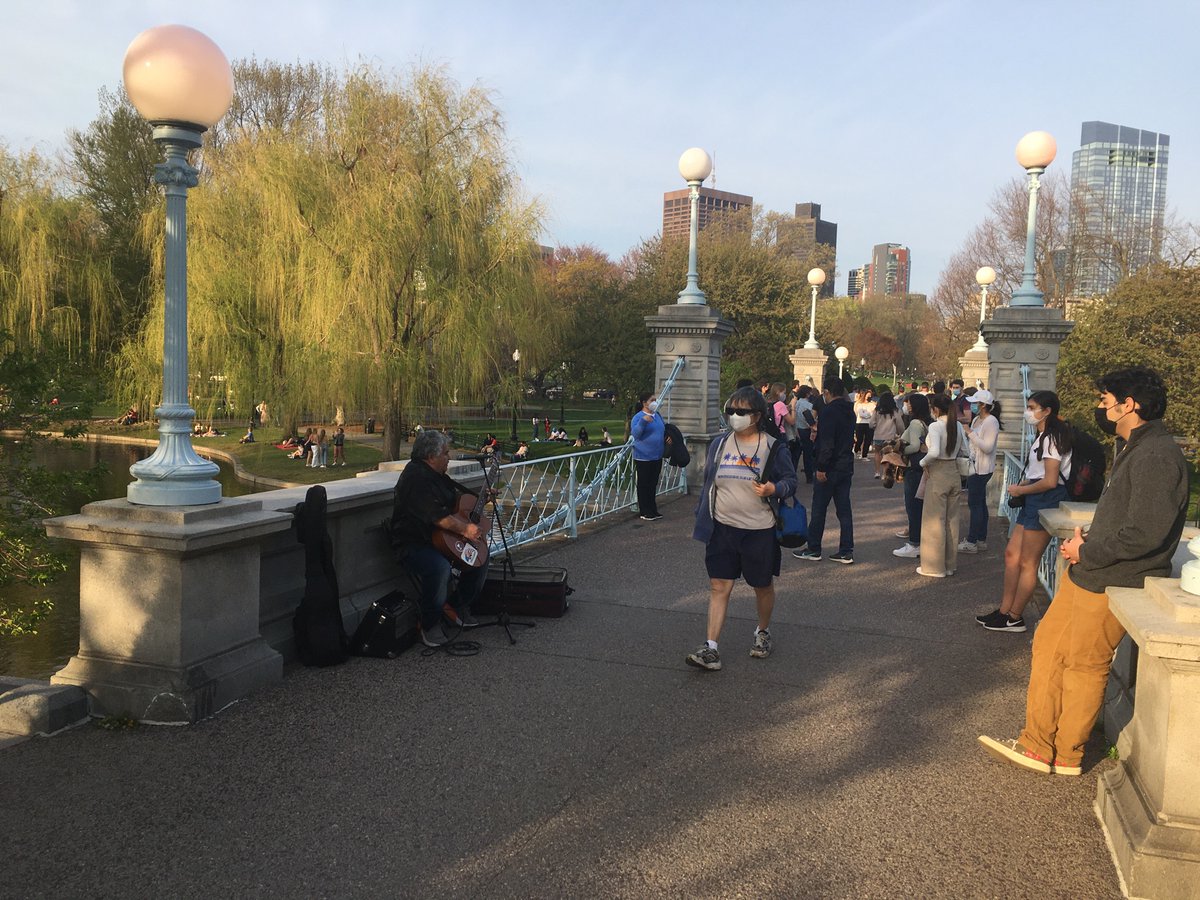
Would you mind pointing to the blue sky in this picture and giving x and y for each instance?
(899, 118)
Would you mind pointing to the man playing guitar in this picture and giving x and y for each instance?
(427, 500)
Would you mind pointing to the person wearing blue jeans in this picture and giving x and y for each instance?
(432, 572)
(982, 433)
(834, 465)
(977, 505)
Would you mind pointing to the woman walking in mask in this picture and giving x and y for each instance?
(1047, 468)
(743, 470)
(649, 446)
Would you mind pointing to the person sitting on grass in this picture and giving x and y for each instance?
(248, 437)
(522, 451)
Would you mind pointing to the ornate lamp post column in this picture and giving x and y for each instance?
(985, 276)
(841, 353)
(1035, 152)
(695, 165)
(816, 278)
(181, 82)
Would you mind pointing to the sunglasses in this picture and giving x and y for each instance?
(738, 411)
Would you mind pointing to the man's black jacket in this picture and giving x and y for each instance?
(835, 437)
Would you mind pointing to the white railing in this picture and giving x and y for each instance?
(1048, 564)
(555, 495)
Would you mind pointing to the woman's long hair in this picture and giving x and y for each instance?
(919, 405)
(886, 404)
(1055, 428)
(944, 406)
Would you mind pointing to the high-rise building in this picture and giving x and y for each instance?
(887, 273)
(1119, 199)
(854, 284)
(797, 237)
(677, 211)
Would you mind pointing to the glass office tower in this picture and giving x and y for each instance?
(1119, 199)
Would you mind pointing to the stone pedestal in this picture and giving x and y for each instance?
(169, 607)
(697, 333)
(1149, 805)
(974, 365)
(808, 366)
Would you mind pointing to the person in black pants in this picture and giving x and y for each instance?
(649, 446)
(834, 466)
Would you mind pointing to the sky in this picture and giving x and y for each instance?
(900, 119)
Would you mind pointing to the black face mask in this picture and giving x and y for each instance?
(1103, 422)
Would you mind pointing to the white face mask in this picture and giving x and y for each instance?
(1031, 418)
(739, 422)
(652, 406)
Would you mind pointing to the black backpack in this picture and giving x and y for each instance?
(770, 426)
(1086, 483)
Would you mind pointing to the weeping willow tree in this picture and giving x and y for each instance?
(381, 258)
(56, 285)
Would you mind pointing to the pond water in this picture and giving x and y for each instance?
(40, 655)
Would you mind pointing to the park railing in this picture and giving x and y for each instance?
(1048, 564)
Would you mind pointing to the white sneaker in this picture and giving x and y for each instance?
(908, 551)
(967, 547)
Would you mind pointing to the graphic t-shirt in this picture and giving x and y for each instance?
(738, 466)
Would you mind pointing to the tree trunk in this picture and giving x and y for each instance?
(393, 434)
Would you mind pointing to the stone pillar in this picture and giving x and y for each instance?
(974, 365)
(697, 332)
(169, 606)
(1149, 804)
(808, 366)
(1017, 336)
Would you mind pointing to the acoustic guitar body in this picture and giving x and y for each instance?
(459, 550)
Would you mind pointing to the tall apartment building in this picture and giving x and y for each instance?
(854, 283)
(677, 210)
(888, 271)
(1119, 199)
(798, 236)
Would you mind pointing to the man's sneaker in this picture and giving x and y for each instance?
(434, 635)
(967, 547)
(705, 658)
(459, 618)
(878, 476)
(908, 551)
(651, 518)
(994, 616)
(902, 533)
(1013, 752)
(1008, 623)
(845, 559)
(762, 644)
(1059, 769)
(807, 553)
(921, 571)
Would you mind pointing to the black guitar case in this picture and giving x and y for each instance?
(320, 637)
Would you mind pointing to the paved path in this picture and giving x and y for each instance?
(589, 761)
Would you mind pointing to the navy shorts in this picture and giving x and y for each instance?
(741, 552)
(1027, 516)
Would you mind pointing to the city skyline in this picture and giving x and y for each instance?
(598, 115)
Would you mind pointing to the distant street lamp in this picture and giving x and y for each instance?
(985, 276)
(841, 353)
(695, 165)
(180, 81)
(816, 278)
(517, 360)
(562, 396)
(1035, 152)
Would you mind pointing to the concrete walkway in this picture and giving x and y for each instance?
(589, 761)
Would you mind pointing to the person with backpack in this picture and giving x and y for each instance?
(982, 434)
(1042, 487)
(1133, 535)
(778, 413)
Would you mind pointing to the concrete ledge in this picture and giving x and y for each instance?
(37, 707)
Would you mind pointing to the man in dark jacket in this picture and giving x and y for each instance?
(1133, 534)
(834, 464)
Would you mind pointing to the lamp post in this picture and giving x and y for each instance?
(695, 165)
(180, 81)
(517, 361)
(841, 353)
(985, 276)
(1035, 152)
(816, 278)
(562, 396)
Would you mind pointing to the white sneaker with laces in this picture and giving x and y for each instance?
(908, 551)
(967, 547)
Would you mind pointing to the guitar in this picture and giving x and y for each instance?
(462, 551)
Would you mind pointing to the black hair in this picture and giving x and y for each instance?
(939, 387)
(1143, 384)
(749, 397)
(1055, 428)
(944, 406)
(886, 404)
(835, 386)
(743, 382)
(954, 381)
(919, 404)
(643, 397)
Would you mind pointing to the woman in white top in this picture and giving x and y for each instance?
(1044, 486)
(982, 433)
(939, 518)
(864, 408)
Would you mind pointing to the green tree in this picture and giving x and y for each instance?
(1152, 318)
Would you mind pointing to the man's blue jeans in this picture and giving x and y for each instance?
(432, 572)
(835, 487)
(977, 504)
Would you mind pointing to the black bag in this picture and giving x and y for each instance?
(1088, 461)
(677, 451)
(770, 426)
(527, 591)
(388, 629)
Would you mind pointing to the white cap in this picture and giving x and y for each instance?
(982, 396)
